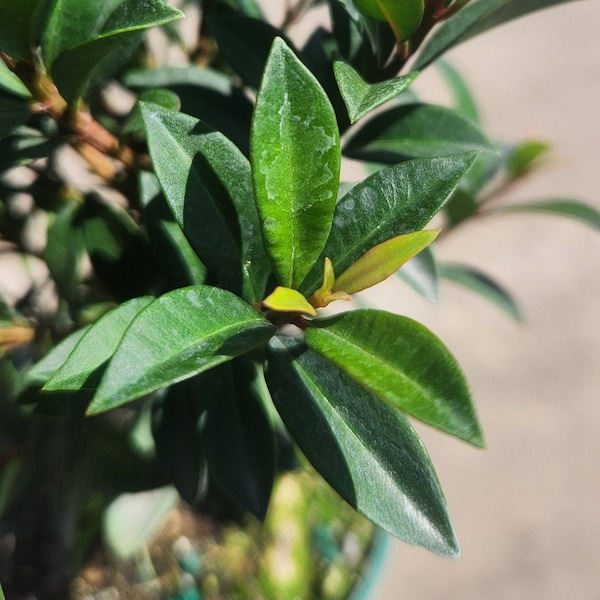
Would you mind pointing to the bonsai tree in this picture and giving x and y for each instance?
(183, 294)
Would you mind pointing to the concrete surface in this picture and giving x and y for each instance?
(527, 510)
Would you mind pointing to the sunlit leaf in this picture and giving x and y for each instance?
(284, 299)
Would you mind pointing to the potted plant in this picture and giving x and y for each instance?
(175, 332)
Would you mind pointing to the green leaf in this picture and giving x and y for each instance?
(176, 430)
(85, 364)
(478, 16)
(402, 362)
(464, 103)
(382, 260)
(180, 334)
(361, 97)
(180, 264)
(365, 450)
(403, 16)
(295, 157)
(14, 112)
(237, 435)
(396, 200)
(523, 157)
(415, 131)
(208, 185)
(163, 97)
(16, 27)
(9, 82)
(73, 69)
(421, 274)
(131, 520)
(23, 147)
(561, 207)
(284, 299)
(483, 285)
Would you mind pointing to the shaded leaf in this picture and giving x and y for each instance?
(208, 185)
(402, 362)
(396, 200)
(10, 82)
(95, 348)
(562, 207)
(238, 438)
(361, 97)
(14, 112)
(16, 27)
(415, 131)
(180, 334)
(23, 147)
(478, 16)
(483, 285)
(403, 16)
(421, 274)
(295, 158)
(464, 103)
(365, 449)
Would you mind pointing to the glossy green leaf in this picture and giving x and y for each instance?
(180, 334)
(86, 362)
(131, 520)
(180, 264)
(402, 362)
(295, 157)
(361, 97)
(163, 97)
(176, 429)
(396, 200)
(562, 207)
(524, 156)
(14, 112)
(284, 299)
(478, 16)
(403, 16)
(364, 448)
(464, 103)
(483, 285)
(421, 274)
(415, 131)
(73, 69)
(237, 435)
(208, 185)
(16, 27)
(378, 263)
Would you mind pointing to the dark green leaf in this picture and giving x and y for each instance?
(421, 273)
(403, 16)
(85, 364)
(250, 8)
(477, 17)
(74, 68)
(366, 450)
(393, 201)
(182, 333)
(116, 246)
(295, 157)
(402, 362)
(464, 103)
(238, 438)
(562, 207)
(208, 185)
(9, 82)
(180, 264)
(177, 437)
(24, 146)
(14, 112)
(461, 206)
(163, 97)
(415, 131)
(361, 97)
(16, 27)
(481, 284)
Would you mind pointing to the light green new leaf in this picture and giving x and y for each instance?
(364, 448)
(208, 185)
(402, 362)
(182, 333)
(561, 207)
(403, 16)
(478, 16)
(381, 261)
(396, 200)
(361, 97)
(295, 157)
(16, 27)
(96, 347)
(415, 131)
(73, 69)
(481, 284)
(288, 300)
